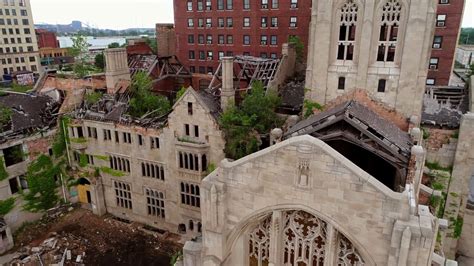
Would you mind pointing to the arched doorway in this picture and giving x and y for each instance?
(84, 191)
(302, 240)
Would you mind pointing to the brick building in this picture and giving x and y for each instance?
(46, 39)
(448, 24)
(206, 30)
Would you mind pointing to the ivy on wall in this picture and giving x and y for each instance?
(6, 206)
(3, 170)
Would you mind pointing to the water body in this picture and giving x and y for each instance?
(94, 42)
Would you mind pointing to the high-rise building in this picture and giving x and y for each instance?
(18, 45)
(210, 29)
(448, 24)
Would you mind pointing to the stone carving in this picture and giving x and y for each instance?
(259, 243)
(304, 239)
(347, 254)
(303, 173)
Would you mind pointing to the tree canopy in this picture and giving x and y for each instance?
(144, 101)
(244, 124)
(467, 36)
(5, 117)
(99, 61)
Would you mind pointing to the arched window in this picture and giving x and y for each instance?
(347, 30)
(389, 25)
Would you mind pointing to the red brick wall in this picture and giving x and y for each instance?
(450, 33)
(46, 39)
(303, 12)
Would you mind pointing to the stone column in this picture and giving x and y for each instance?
(404, 247)
(276, 238)
(227, 91)
(331, 246)
(98, 198)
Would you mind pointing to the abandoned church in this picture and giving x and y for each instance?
(369, 165)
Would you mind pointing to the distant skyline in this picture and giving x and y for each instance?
(123, 14)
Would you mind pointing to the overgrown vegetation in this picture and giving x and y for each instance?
(112, 172)
(21, 88)
(176, 257)
(6, 206)
(93, 97)
(310, 107)
(467, 36)
(437, 166)
(243, 125)
(426, 133)
(99, 61)
(180, 93)
(5, 117)
(42, 193)
(458, 223)
(299, 47)
(144, 101)
(80, 51)
(3, 170)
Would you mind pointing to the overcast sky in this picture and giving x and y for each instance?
(121, 14)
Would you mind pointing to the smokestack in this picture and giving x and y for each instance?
(116, 67)
(227, 91)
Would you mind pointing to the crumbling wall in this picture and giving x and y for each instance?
(39, 146)
(378, 107)
(286, 68)
(440, 145)
(69, 84)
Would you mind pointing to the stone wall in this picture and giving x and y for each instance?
(303, 173)
(405, 76)
(463, 169)
(70, 84)
(172, 139)
(441, 146)
(466, 242)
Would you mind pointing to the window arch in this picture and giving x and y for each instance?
(389, 28)
(347, 31)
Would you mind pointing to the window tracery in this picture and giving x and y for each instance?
(347, 30)
(347, 254)
(259, 244)
(389, 26)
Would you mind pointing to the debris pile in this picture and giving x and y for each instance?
(80, 238)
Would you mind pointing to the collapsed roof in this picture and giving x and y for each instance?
(30, 114)
(444, 106)
(356, 131)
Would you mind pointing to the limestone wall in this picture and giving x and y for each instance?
(466, 242)
(441, 146)
(405, 76)
(172, 139)
(304, 173)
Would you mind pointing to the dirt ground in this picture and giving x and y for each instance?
(103, 240)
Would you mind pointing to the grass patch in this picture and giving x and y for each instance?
(112, 172)
(437, 166)
(21, 88)
(6, 206)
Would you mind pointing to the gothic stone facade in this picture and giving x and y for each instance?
(151, 175)
(300, 202)
(382, 46)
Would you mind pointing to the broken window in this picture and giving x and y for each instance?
(196, 131)
(190, 108)
(119, 163)
(382, 85)
(80, 133)
(186, 129)
(140, 140)
(107, 134)
(155, 202)
(154, 143)
(14, 188)
(127, 137)
(123, 194)
(190, 195)
(153, 170)
(347, 30)
(341, 84)
(188, 161)
(388, 39)
(13, 155)
(92, 132)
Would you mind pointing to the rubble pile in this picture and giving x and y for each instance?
(80, 238)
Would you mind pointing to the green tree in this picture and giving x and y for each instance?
(244, 124)
(471, 70)
(299, 47)
(99, 61)
(80, 51)
(144, 101)
(114, 45)
(152, 43)
(467, 36)
(42, 193)
(5, 117)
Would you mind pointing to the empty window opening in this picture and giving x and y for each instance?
(341, 85)
(382, 85)
(13, 155)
